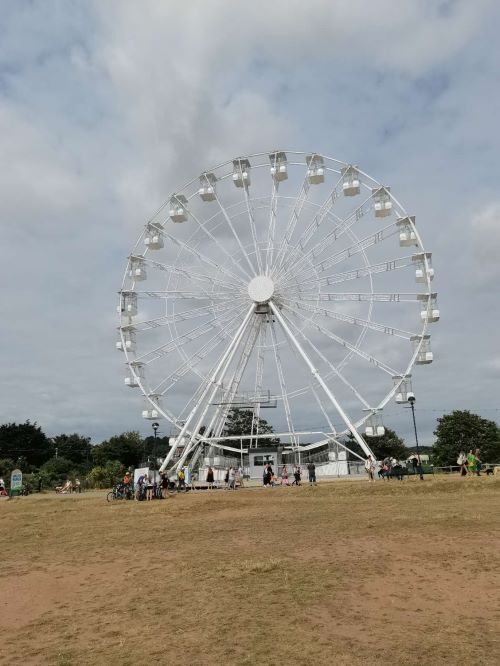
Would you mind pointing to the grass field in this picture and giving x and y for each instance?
(344, 573)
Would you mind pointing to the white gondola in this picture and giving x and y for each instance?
(423, 343)
(241, 172)
(178, 208)
(374, 426)
(137, 268)
(429, 310)
(404, 389)
(351, 184)
(207, 186)
(153, 238)
(127, 340)
(315, 169)
(279, 169)
(152, 412)
(128, 304)
(423, 267)
(382, 203)
(407, 235)
(135, 376)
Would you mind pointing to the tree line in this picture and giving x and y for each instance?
(53, 459)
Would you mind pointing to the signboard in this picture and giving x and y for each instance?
(16, 479)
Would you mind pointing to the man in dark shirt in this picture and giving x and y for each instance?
(311, 468)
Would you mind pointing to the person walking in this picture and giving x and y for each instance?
(471, 462)
(462, 462)
(226, 479)
(232, 478)
(479, 464)
(370, 468)
(210, 478)
(311, 469)
(239, 477)
(297, 476)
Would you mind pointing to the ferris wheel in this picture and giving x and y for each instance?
(285, 281)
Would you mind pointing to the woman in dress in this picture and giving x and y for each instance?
(471, 462)
(210, 478)
(164, 485)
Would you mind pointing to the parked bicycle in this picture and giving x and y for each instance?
(119, 492)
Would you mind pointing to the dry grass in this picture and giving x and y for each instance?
(345, 573)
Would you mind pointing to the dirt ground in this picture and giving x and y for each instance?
(344, 573)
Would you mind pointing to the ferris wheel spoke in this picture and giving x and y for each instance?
(356, 321)
(176, 295)
(281, 379)
(229, 325)
(320, 354)
(219, 245)
(355, 248)
(291, 252)
(358, 296)
(323, 410)
(181, 340)
(272, 226)
(292, 222)
(190, 275)
(236, 236)
(253, 229)
(358, 273)
(344, 343)
(184, 315)
(203, 257)
(342, 226)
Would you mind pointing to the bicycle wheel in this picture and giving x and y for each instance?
(110, 496)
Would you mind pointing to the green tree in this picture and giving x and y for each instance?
(389, 445)
(6, 467)
(127, 448)
(239, 422)
(462, 431)
(106, 476)
(26, 441)
(73, 447)
(56, 470)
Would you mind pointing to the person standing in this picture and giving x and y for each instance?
(164, 485)
(210, 478)
(149, 487)
(232, 478)
(471, 462)
(370, 468)
(239, 477)
(311, 469)
(479, 464)
(181, 480)
(284, 476)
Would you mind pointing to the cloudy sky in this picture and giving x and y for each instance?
(107, 106)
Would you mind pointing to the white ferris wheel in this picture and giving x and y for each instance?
(285, 280)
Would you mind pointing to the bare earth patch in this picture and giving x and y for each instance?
(345, 573)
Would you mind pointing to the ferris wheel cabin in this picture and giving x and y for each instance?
(423, 267)
(382, 204)
(404, 388)
(429, 310)
(177, 210)
(350, 181)
(407, 235)
(153, 238)
(279, 170)
(241, 172)
(207, 187)
(423, 344)
(315, 169)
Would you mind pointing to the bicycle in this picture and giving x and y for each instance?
(119, 492)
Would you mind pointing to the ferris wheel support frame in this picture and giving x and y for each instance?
(321, 382)
(213, 379)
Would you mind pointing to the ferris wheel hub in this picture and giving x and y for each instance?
(261, 289)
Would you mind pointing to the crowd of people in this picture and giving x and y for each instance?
(470, 464)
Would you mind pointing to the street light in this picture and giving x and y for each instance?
(155, 427)
(411, 400)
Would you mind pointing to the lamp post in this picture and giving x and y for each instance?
(411, 400)
(155, 427)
